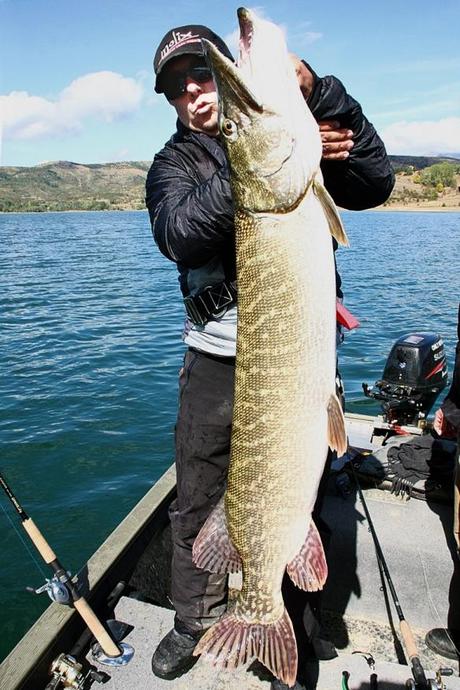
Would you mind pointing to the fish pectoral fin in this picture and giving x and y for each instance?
(330, 209)
(213, 548)
(336, 433)
(308, 569)
(232, 642)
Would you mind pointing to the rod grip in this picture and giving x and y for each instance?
(39, 541)
(408, 638)
(100, 633)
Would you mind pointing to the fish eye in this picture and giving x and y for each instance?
(229, 128)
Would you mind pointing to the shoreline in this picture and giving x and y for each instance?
(81, 210)
(413, 208)
(393, 208)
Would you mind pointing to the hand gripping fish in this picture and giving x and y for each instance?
(286, 412)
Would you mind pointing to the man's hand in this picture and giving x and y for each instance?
(442, 426)
(337, 141)
(303, 74)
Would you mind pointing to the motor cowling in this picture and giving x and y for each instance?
(414, 375)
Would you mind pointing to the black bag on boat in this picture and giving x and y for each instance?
(415, 466)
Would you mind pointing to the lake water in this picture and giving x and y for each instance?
(90, 323)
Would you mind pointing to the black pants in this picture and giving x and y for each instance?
(202, 457)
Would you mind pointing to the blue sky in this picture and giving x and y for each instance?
(77, 81)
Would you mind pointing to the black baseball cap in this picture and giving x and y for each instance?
(181, 41)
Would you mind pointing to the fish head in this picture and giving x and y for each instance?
(271, 139)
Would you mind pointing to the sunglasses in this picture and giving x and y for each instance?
(175, 84)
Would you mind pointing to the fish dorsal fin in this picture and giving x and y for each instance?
(332, 215)
(213, 549)
(337, 435)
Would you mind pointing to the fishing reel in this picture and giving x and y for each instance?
(436, 683)
(55, 588)
(67, 673)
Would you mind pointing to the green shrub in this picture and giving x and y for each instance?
(439, 173)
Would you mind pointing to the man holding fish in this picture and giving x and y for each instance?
(247, 181)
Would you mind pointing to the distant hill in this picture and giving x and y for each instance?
(65, 186)
(420, 162)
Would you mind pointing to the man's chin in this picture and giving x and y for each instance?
(206, 127)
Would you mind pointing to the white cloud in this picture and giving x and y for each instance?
(103, 96)
(233, 41)
(419, 103)
(303, 35)
(418, 110)
(423, 138)
(310, 37)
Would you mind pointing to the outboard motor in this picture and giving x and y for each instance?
(414, 375)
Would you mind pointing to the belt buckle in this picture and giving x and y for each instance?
(193, 312)
(220, 296)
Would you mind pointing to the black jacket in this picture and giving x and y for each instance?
(451, 404)
(188, 190)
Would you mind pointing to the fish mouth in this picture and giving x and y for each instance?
(228, 79)
(246, 33)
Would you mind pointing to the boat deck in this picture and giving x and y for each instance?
(416, 539)
(152, 623)
(413, 537)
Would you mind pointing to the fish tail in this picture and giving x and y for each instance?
(232, 642)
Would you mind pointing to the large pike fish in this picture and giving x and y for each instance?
(286, 412)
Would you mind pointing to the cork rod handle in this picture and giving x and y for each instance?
(408, 638)
(39, 541)
(100, 633)
(81, 605)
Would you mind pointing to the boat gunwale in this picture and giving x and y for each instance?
(56, 629)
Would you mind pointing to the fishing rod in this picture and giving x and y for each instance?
(421, 682)
(61, 589)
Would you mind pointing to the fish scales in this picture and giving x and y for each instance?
(285, 409)
(279, 409)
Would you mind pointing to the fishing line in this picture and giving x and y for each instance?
(22, 539)
(61, 589)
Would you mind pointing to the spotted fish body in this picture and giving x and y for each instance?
(286, 413)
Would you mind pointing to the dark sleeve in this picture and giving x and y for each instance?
(451, 404)
(191, 220)
(366, 178)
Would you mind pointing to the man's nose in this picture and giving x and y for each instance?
(193, 88)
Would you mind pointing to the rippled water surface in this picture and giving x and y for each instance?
(90, 322)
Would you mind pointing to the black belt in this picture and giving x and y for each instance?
(216, 358)
(213, 300)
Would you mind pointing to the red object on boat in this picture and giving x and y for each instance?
(345, 317)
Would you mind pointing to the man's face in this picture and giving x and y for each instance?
(197, 107)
